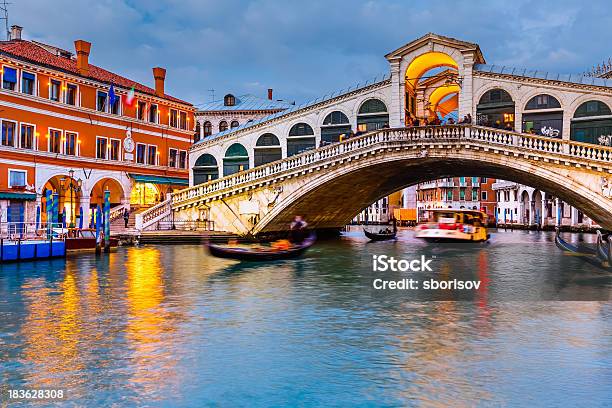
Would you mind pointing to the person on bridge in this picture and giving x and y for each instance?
(126, 217)
(297, 229)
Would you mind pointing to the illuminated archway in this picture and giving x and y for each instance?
(424, 63)
(416, 71)
(441, 101)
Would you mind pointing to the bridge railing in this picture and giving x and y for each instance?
(428, 134)
(160, 212)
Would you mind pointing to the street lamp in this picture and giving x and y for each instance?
(74, 187)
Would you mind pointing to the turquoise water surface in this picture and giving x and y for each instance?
(171, 326)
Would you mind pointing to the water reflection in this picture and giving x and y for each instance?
(148, 330)
(173, 326)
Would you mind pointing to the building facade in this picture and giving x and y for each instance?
(472, 193)
(518, 204)
(78, 130)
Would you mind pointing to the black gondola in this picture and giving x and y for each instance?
(265, 254)
(382, 236)
(592, 256)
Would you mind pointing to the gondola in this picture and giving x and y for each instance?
(589, 255)
(381, 236)
(259, 255)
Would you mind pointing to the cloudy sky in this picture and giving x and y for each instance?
(305, 49)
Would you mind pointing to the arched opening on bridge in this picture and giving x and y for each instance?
(236, 159)
(205, 169)
(592, 123)
(496, 109)
(372, 115)
(425, 73)
(222, 126)
(301, 138)
(66, 193)
(234, 124)
(267, 149)
(543, 116)
(334, 125)
(444, 102)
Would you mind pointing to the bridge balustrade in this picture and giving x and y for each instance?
(449, 133)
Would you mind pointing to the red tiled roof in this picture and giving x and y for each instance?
(31, 52)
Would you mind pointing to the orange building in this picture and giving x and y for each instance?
(77, 130)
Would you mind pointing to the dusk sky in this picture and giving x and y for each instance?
(305, 49)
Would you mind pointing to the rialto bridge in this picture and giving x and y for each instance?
(545, 130)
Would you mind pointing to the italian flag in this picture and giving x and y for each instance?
(129, 98)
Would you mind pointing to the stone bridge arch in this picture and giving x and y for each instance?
(332, 199)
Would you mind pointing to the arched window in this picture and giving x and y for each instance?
(207, 128)
(372, 115)
(301, 138)
(543, 123)
(229, 100)
(592, 123)
(267, 149)
(301, 129)
(591, 109)
(267, 139)
(373, 106)
(496, 109)
(543, 101)
(234, 124)
(236, 159)
(222, 126)
(205, 169)
(334, 125)
(196, 132)
(335, 118)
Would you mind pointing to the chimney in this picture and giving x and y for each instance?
(16, 32)
(82, 51)
(270, 93)
(160, 76)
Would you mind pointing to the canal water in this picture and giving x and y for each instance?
(171, 326)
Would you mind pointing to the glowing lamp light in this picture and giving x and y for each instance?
(37, 134)
(79, 141)
(47, 135)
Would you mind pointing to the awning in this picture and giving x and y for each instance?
(9, 195)
(146, 178)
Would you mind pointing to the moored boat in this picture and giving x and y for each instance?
(78, 239)
(261, 253)
(593, 256)
(450, 225)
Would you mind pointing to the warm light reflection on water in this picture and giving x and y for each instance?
(171, 326)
